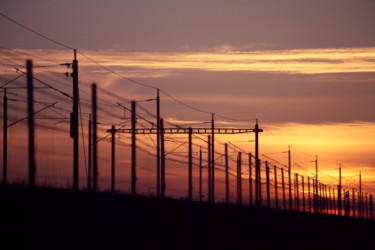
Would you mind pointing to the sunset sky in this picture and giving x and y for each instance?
(305, 69)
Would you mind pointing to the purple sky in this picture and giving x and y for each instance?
(170, 25)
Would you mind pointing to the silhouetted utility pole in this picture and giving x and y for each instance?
(268, 184)
(213, 159)
(158, 144)
(250, 183)
(366, 206)
(339, 193)
(5, 136)
(162, 160)
(113, 132)
(226, 174)
(239, 180)
(258, 190)
(94, 140)
(334, 200)
(190, 165)
(89, 170)
(353, 201)
(330, 200)
(316, 186)
(30, 119)
(308, 191)
(200, 173)
(276, 194)
(283, 185)
(290, 179)
(74, 123)
(360, 196)
(297, 192)
(209, 169)
(134, 156)
(303, 194)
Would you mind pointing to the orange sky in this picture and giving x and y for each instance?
(309, 81)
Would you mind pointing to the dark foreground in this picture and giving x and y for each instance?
(45, 218)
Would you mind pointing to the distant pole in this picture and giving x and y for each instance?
(226, 174)
(316, 186)
(94, 139)
(276, 194)
(158, 144)
(353, 202)
(308, 191)
(89, 177)
(75, 123)
(366, 206)
(330, 200)
(290, 179)
(5, 136)
(283, 185)
(250, 182)
(209, 170)
(334, 201)
(268, 185)
(303, 194)
(260, 185)
(113, 155)
(30, 119)
(360, 195)
(162, 160)
(297, 192)
(190, 165)
(213, 159)
(134, 146)
(257, 166)
(339, 193)
(239, 181)
(200, 174)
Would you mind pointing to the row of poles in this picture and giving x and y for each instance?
(323, 200)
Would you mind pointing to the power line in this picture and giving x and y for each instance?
(35, 32)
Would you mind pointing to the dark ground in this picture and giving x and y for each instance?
(46, 218)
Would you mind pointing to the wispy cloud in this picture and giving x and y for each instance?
(303, 61)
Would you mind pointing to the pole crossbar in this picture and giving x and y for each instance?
(186, 131)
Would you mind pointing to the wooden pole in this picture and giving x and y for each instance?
(303, 194)
(297, 192)
(113, 149)
(213, 159)
(290, 179)
(283, 185)
(190, 165)
(158, 163)
(226, 174)
(276, 194)
(353, 202)
(75, 123)
(239, 180)
(268, 185)
(133, 151)
(162, 159)
(89, 167)
(5, 137)
(250, 182)
(257, 168)
(30, 119)
(94, 139)
(200, 174)
(209, 170)
(308, 191)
